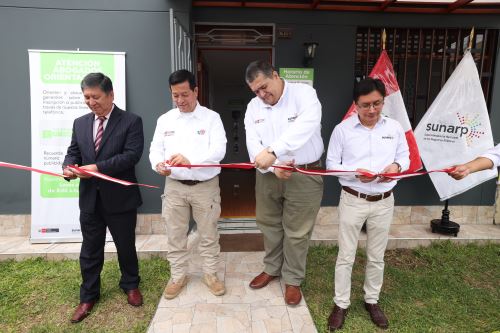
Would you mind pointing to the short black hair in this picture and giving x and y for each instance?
(181, 76)
(366, 86)
(100, 80)
(258, 67)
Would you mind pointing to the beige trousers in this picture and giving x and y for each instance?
(353, 212)
(204, 200)
(286, 212)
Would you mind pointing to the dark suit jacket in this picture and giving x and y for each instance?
(120, 150)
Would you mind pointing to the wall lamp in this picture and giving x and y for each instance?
(309, 53)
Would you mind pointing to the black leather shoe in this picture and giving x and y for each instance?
(337, 318)
(377, 315)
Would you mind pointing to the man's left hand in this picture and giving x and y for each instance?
(459, 171)
(391, 168)
(283, 173)
(264, 160)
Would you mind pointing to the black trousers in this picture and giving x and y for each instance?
(122, 228)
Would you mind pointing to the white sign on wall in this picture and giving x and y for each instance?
(56, 101)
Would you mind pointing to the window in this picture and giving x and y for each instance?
(424, 59)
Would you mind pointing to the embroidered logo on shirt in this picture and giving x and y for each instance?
(292, 119)
(388, 137)
(169, 133)
(201, 132)
(258, 121)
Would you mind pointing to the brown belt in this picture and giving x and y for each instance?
(367, 197)
(310, 166)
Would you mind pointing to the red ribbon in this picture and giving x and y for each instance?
(315, 172)
(83, 171)
(246, 166)
(108, 178)
(22, 167)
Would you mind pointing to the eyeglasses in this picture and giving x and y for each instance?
(367, 106)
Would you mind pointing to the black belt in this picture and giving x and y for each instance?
(310, 166)
(190, 182)
(367, 197)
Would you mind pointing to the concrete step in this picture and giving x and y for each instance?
(400, 236)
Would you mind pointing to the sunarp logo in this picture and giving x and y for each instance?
(474, 126)
(469, 127)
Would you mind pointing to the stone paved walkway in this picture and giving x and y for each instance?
(241, 309)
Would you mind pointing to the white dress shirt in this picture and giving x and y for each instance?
(291, 127)
(104, 124)
(493, 154)
(199, 136)
(354, 146)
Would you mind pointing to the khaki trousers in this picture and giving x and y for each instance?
(204, 200)
(286, 212)
(353, 212)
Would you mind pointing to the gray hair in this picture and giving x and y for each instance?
(258, 67)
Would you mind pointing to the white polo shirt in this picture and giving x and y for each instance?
(198, 135)
(354, 146)
(291, 127)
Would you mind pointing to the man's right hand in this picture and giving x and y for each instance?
(68, 173)
(161, 168)
(366, 179)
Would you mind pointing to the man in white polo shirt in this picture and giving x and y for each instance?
(189, 134)
(489, 160)
(283, 126)
(366, 142)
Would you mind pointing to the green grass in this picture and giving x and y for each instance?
(40, 296)
(442, 288)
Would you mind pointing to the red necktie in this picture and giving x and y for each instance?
(100, 130)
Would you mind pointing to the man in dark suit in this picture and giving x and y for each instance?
(110, 141)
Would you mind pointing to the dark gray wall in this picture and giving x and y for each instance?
(139, 28)
(334, 74)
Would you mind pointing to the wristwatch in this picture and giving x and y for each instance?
(399, 166)
(271, 151)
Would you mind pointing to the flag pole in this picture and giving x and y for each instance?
(444, 225)
(471, 37)
(384, 37)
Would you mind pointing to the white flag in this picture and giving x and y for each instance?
(455, 130)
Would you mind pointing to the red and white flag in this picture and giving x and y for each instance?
(394, 106)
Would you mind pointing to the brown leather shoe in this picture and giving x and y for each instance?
(336, 319)
(292, 294)
(134, 297)
(82, 311)
(261, 280)
(377, 315)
